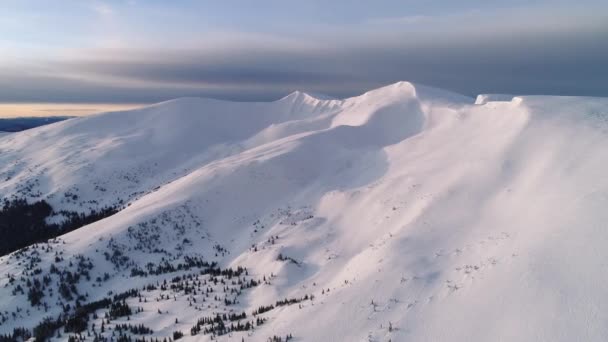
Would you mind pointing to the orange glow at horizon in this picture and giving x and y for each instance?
(12, 110)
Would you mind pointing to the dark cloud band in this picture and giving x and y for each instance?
(560, 63)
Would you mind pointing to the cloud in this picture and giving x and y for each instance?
(527, 19)
(102, 8)
(470, 52)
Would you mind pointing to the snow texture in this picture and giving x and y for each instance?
(410, 213)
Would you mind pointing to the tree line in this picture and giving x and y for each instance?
(23, 224)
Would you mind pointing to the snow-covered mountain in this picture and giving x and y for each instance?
(405, 214)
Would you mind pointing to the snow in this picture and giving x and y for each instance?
(485, 98)
(445, 218)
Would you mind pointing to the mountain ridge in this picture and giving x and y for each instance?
(406, 213)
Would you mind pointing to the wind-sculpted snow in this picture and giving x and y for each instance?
(485, 98)
(405, 214)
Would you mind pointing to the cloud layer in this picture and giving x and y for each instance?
(523, 51)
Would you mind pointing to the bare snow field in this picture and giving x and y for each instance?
(407, 213)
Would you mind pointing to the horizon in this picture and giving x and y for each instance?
(70, 110)
(113, 54)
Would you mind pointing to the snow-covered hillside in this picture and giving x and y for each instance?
(405, 214)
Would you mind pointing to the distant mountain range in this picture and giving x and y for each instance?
(23, 123)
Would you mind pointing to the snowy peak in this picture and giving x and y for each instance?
(295, 96)
(408, 90)
(403, 90)
(298, 95)
(485, 98)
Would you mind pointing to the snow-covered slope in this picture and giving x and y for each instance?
(409, 213)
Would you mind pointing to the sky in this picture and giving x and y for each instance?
(80, 54)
